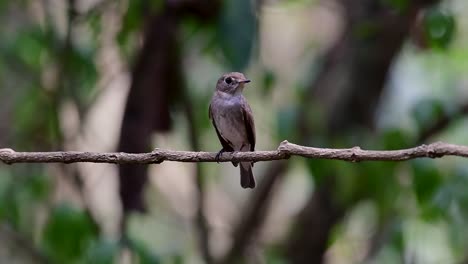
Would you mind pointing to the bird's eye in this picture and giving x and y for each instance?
(228, 80)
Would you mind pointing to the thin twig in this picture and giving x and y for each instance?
(284, 151)
(14, 239)
(442, 123)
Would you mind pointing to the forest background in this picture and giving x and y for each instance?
(101, 75)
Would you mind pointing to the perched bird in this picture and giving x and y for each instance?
(233, 121)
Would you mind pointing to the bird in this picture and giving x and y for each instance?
(233, 121)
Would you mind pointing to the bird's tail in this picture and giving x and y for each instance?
(247, 179)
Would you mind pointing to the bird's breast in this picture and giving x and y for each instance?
(230, 123)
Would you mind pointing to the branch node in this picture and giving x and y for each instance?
(355, 154)
(5, 159)
(432, 151)
(156, 156)
(284, 146)
(7, 150)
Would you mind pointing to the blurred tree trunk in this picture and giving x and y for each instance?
(157, 85)
(348, 88)
(148, 102)
(154, 89)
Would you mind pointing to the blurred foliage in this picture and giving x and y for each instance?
(286, 119)
(144, 255)
(21, 192)
(426, 180)
(269, 80)
(101, 252)
(132, 23)
(41, 68)
(439, 28)
(399, 5)
(236, 32)
(67, 234)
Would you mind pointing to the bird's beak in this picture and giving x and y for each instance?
(245, 81)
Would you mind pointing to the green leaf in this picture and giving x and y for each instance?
(273, 255)
(38, 186)
(20, 192)
(269, 80)
(9, 210)
(131, 23)
(399, 5)
(68, 234)
(201, 103)
(82, 74)
(177, 259)
(426, 111)
(144, 254)
(453, 194)
(396, 139)
(377, 180)
(236, 32)
(426, 179)
(94, 21)
(439, 27)
(30, 118)
(286, 120)
(319, 168)
(31, 47)
(3, 5)
(101, 252)
(397, 240)
(366, 30)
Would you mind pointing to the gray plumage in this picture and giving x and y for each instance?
(233, 121)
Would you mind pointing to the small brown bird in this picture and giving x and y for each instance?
(233, 121)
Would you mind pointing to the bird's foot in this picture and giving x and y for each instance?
(218, 156)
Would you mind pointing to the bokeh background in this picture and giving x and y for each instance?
(102, 75)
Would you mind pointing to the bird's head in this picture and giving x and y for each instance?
(232, 83)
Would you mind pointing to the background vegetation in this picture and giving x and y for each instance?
(100, 75)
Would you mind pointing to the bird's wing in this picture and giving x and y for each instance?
(249, 124)
(227, 146)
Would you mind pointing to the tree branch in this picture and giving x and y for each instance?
(442, 123)
(13, 241)
(284, 151)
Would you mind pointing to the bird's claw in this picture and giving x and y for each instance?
(218, 156)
